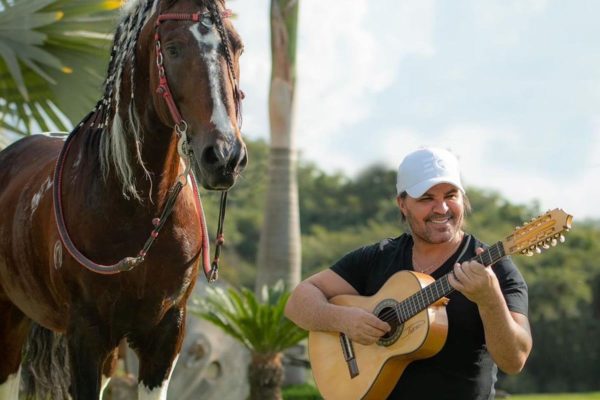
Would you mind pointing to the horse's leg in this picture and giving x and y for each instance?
(158, 352)
(89, 350)
(110, 364)
(14, 326)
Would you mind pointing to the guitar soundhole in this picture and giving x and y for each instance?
(386, 312)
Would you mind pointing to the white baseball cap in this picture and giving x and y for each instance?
(425, 168)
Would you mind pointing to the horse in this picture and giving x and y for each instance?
(75, 210)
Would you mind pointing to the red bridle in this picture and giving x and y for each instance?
(210, 270)
(163, 85)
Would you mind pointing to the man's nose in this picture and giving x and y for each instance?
(441, 207)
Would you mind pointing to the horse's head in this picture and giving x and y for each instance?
(197, 54)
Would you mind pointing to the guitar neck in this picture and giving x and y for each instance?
(427, 296)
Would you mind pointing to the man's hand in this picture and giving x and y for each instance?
(361, 326)
(477, 282)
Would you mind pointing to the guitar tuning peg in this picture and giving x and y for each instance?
(543, 244)
(529, 253)
(517, 227)
(538, 250)
(561, 238)
(553, 242)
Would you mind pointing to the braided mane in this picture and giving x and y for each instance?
(104, 118)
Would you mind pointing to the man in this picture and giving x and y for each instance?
(487, 313)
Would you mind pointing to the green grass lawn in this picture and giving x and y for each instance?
(309, 392)
(557, 396)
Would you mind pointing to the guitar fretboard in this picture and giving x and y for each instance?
(427, 296)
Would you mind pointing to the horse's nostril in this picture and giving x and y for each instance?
(210, 156)
(230, 158)
(244, 161)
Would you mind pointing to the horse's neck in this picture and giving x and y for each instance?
(156, 148)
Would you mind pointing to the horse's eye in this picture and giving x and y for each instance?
(172, 51)
(207, 20)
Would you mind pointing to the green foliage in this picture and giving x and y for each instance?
(53, 54)
(258, 324)
(301, 392)
(559, 396)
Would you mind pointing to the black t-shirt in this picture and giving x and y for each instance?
(463, 369)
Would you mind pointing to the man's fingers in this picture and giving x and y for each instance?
(380, 325)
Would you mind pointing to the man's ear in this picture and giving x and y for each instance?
(401, 204)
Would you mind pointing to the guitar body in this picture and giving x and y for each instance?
(378, 366)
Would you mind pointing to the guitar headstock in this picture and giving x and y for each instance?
(539, 233)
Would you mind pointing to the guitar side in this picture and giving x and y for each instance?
(379, 366)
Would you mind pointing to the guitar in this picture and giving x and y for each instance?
(415, 304)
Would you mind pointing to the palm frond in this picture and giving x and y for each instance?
(261, 326)
(53, 57)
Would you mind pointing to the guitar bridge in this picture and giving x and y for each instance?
(348, 351)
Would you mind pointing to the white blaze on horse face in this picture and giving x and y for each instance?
(209, 45)
(158, 393)
(37, 197)
(9, 390)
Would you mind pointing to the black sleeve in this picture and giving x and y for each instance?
(513, 286)
(354, 266)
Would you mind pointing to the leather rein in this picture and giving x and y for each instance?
(180, 126)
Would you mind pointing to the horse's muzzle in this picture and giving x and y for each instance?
(220, 164)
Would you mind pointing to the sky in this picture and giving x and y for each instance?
(512, 87)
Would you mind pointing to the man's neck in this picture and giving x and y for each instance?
(436, 252)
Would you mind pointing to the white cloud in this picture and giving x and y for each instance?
(505, 19)
(347, 54)
(252, 23)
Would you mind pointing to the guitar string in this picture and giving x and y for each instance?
(414, 304)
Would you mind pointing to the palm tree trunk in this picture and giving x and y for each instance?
(265, 374)
(279, 254)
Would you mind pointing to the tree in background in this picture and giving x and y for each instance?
(53, 54)
(279, 253)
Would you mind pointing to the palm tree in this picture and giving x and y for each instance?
(279, 252)
(260, 326)
(53, 54)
